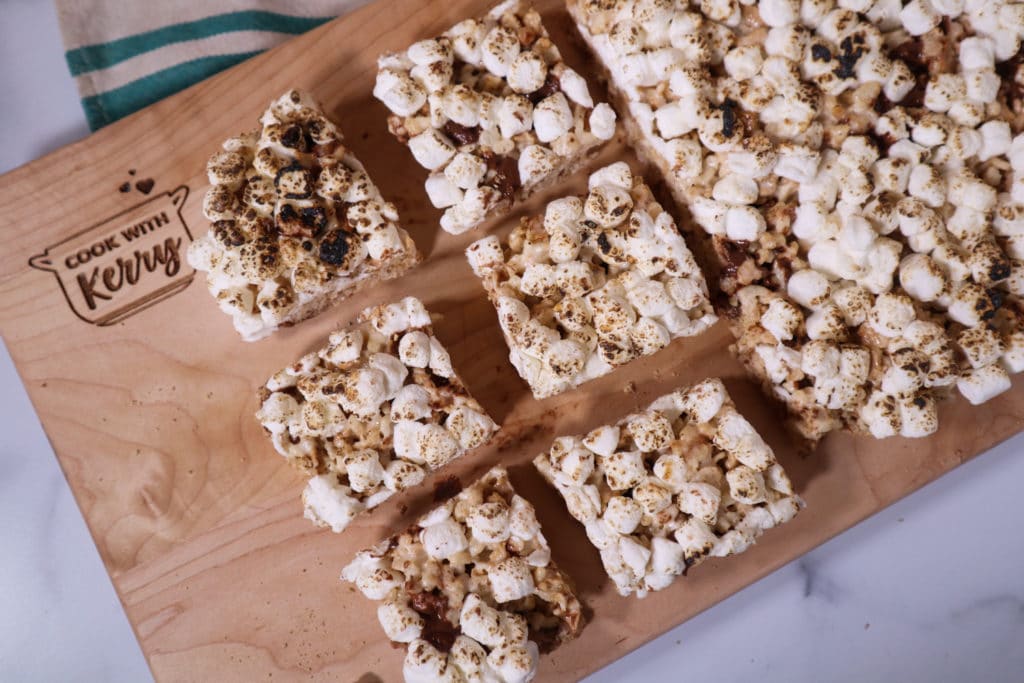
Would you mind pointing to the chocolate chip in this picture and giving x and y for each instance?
(145, 186)
(125, 187)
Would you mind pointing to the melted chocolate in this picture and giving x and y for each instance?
(506, 175)
(461, 135)
(432, 606)
(550, 87)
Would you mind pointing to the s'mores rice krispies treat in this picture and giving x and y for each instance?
(597, 281)
(858, 170)
(492, 111)
(471, 588)
(297, 225)
(372, 413)
(663, 489)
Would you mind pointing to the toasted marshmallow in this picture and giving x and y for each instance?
(602, 121)
(891, 314)
(516, 664)
(444, 539)
(400, 622)
(510, 579)
(552, 117)
(527, 72)
(431, 149)
(980, 385)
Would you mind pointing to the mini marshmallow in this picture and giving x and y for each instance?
(735, 189)
(400, 622)
(797, 163)
(995, 139)
(809, 288)
(535, 164)
(781, 319)
(980, 345)
(700, 500)
(527, 72)
(510, 579)
(891, 314)
(982, 384)
(622, 514)
(976, 53)
(399, 93)
(465, 170)
(431, 149)
(921, 277)
(743, 223)
(552, 117)
(603, 440)
(575, 87)
(918, 17)
(778, 12)
(744, 62)
(498, 50)
(602, 121)
(901, 81)
(623, 469)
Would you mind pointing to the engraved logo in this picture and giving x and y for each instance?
(124, 264)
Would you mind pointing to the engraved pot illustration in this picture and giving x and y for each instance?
(123, 264)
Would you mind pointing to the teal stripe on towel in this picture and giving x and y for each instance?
(112, 105)
(102, 55)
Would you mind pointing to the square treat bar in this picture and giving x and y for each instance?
(688, 478)
(471, 588)
(857, 170)
(490, 108)
(371, 413)
(297, 223)
(595, 282)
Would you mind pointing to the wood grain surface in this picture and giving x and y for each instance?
(199, 522)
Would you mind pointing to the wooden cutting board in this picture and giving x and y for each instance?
(147, 394)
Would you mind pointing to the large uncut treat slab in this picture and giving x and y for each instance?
(594, 283)
(663, 489)
(471, 588)
(372, 413)
(297, 224)
(490, 108)
(857, 170)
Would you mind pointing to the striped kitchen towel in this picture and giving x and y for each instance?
(127, 54)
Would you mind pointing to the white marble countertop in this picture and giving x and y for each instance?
(931, 589)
